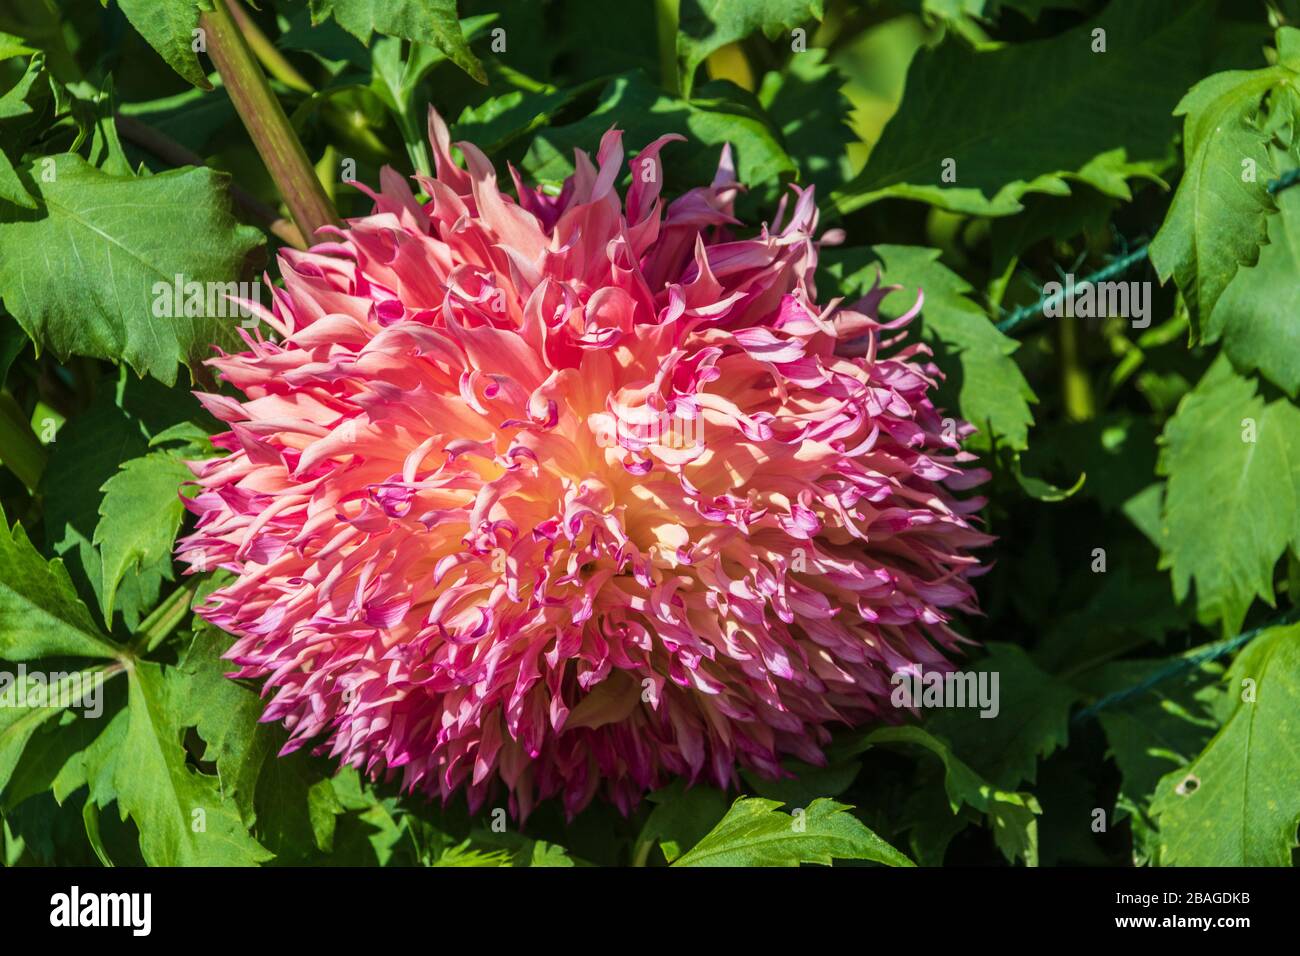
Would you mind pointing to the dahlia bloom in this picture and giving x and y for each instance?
(571, 493)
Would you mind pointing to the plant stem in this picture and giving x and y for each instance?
(1188, 662)
(163, 619)
(641, 852)
(266, 123)
(265, 50)
(1036, 310)
(1076, 389)
(413, 136)
(20, 450)
(666, 20)
(521, 81)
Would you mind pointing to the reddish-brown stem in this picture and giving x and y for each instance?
(266, 123)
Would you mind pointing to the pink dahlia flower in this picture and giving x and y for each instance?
(574, 493)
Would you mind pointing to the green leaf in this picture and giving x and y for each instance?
(40, 613)
(464, 854)
(1092, 617)
(182, 815)
(11, 46)
(680, 819)
(396, 69)
(52, 760)
(188, 438)
(1033, 9)
(15, 103)
(1041, 490)
(1255, 316)
(1116, 450)
(326, 41)
(983, 381)
(80, 280)
(1085, 212)
(707, 25)
(546, 855)
(954, 10)
(90, 817)
(168, 26)
(500, 120)
(1068, 790)
(1032, 720)
(486, 848)
(49, 835)
(755, 833)
(1216, 222)
(806, 102)
(225, 713)
(87, 451)
(591, 43)
(21, 453)
(1159, 730)
(99, 760)
(1029, 117)
(1237, 804)
(1144, 510)
(929, 821)
(717, 115)
(378, 843)
(192, 117)
(296, 808)
(807, 784)
(12, 344)
(424, 21)
(1012, 816)
(1230, 503)
(26, 706)
(11, 187)
(139, 517)
(287, 801)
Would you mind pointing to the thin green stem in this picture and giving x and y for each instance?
(520, 81)
(164, 619)
(267, 125)
(414, 138)
(265, 51)
(1186, 663)
(1036, 310)
(1076, 388)
(641, 852)
(666, 20)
